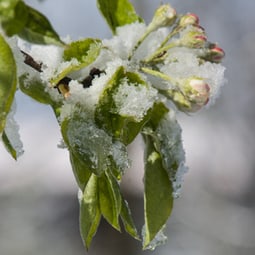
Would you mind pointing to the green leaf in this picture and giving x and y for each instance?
(110, 199)
(80, 54)
(158, 200)
(118, 13)
(35, 89)
(29, 24)
(13, 16)
(38, 29)
(90, 214)
(127, 220)
(85, 51)
(158, 112)
(166, 134)
(9, 147)
(80, 170)
(123, 128)
(8, 81)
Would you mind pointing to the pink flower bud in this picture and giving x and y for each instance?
(189, 95)
(213, 53)
(217, 54)
(189, 19)
(193, 38)
(197, 93)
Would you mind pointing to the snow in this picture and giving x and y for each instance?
(158, 240)
(134, 100)
(12, 131)
(169, 135)
(94, 145)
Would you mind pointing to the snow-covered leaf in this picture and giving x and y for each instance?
(78, 55)
(83, 140)
(10, 137)
(118, 13)
(85, 51)
(92, 145)
(35, 89)
(8, 81)
(167, 137)
(158, 199)
(124, 105)
(90, 214)
(8, 145)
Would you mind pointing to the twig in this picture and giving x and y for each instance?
(31, 62)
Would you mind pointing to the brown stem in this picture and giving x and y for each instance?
(31, 62)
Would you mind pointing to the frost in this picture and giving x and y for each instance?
(62, 144)
(12, 131)
(95, 145)
(134, 100)
(120, 156)
(170, 143)
(158, 240)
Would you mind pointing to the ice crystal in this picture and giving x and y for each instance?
(12, 131)
(170, 143)
(158, 240)
(95, 145)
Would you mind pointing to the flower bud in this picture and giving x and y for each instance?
(197, 92)
(213, 53)
(189, 19)
(193, 38)
(189, 95)
(217, 54)
(165, 15)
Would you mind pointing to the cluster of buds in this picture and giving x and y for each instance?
(191, 34)
(194, 37)
(189, 94)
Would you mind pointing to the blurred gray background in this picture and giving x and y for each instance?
(216, 212)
